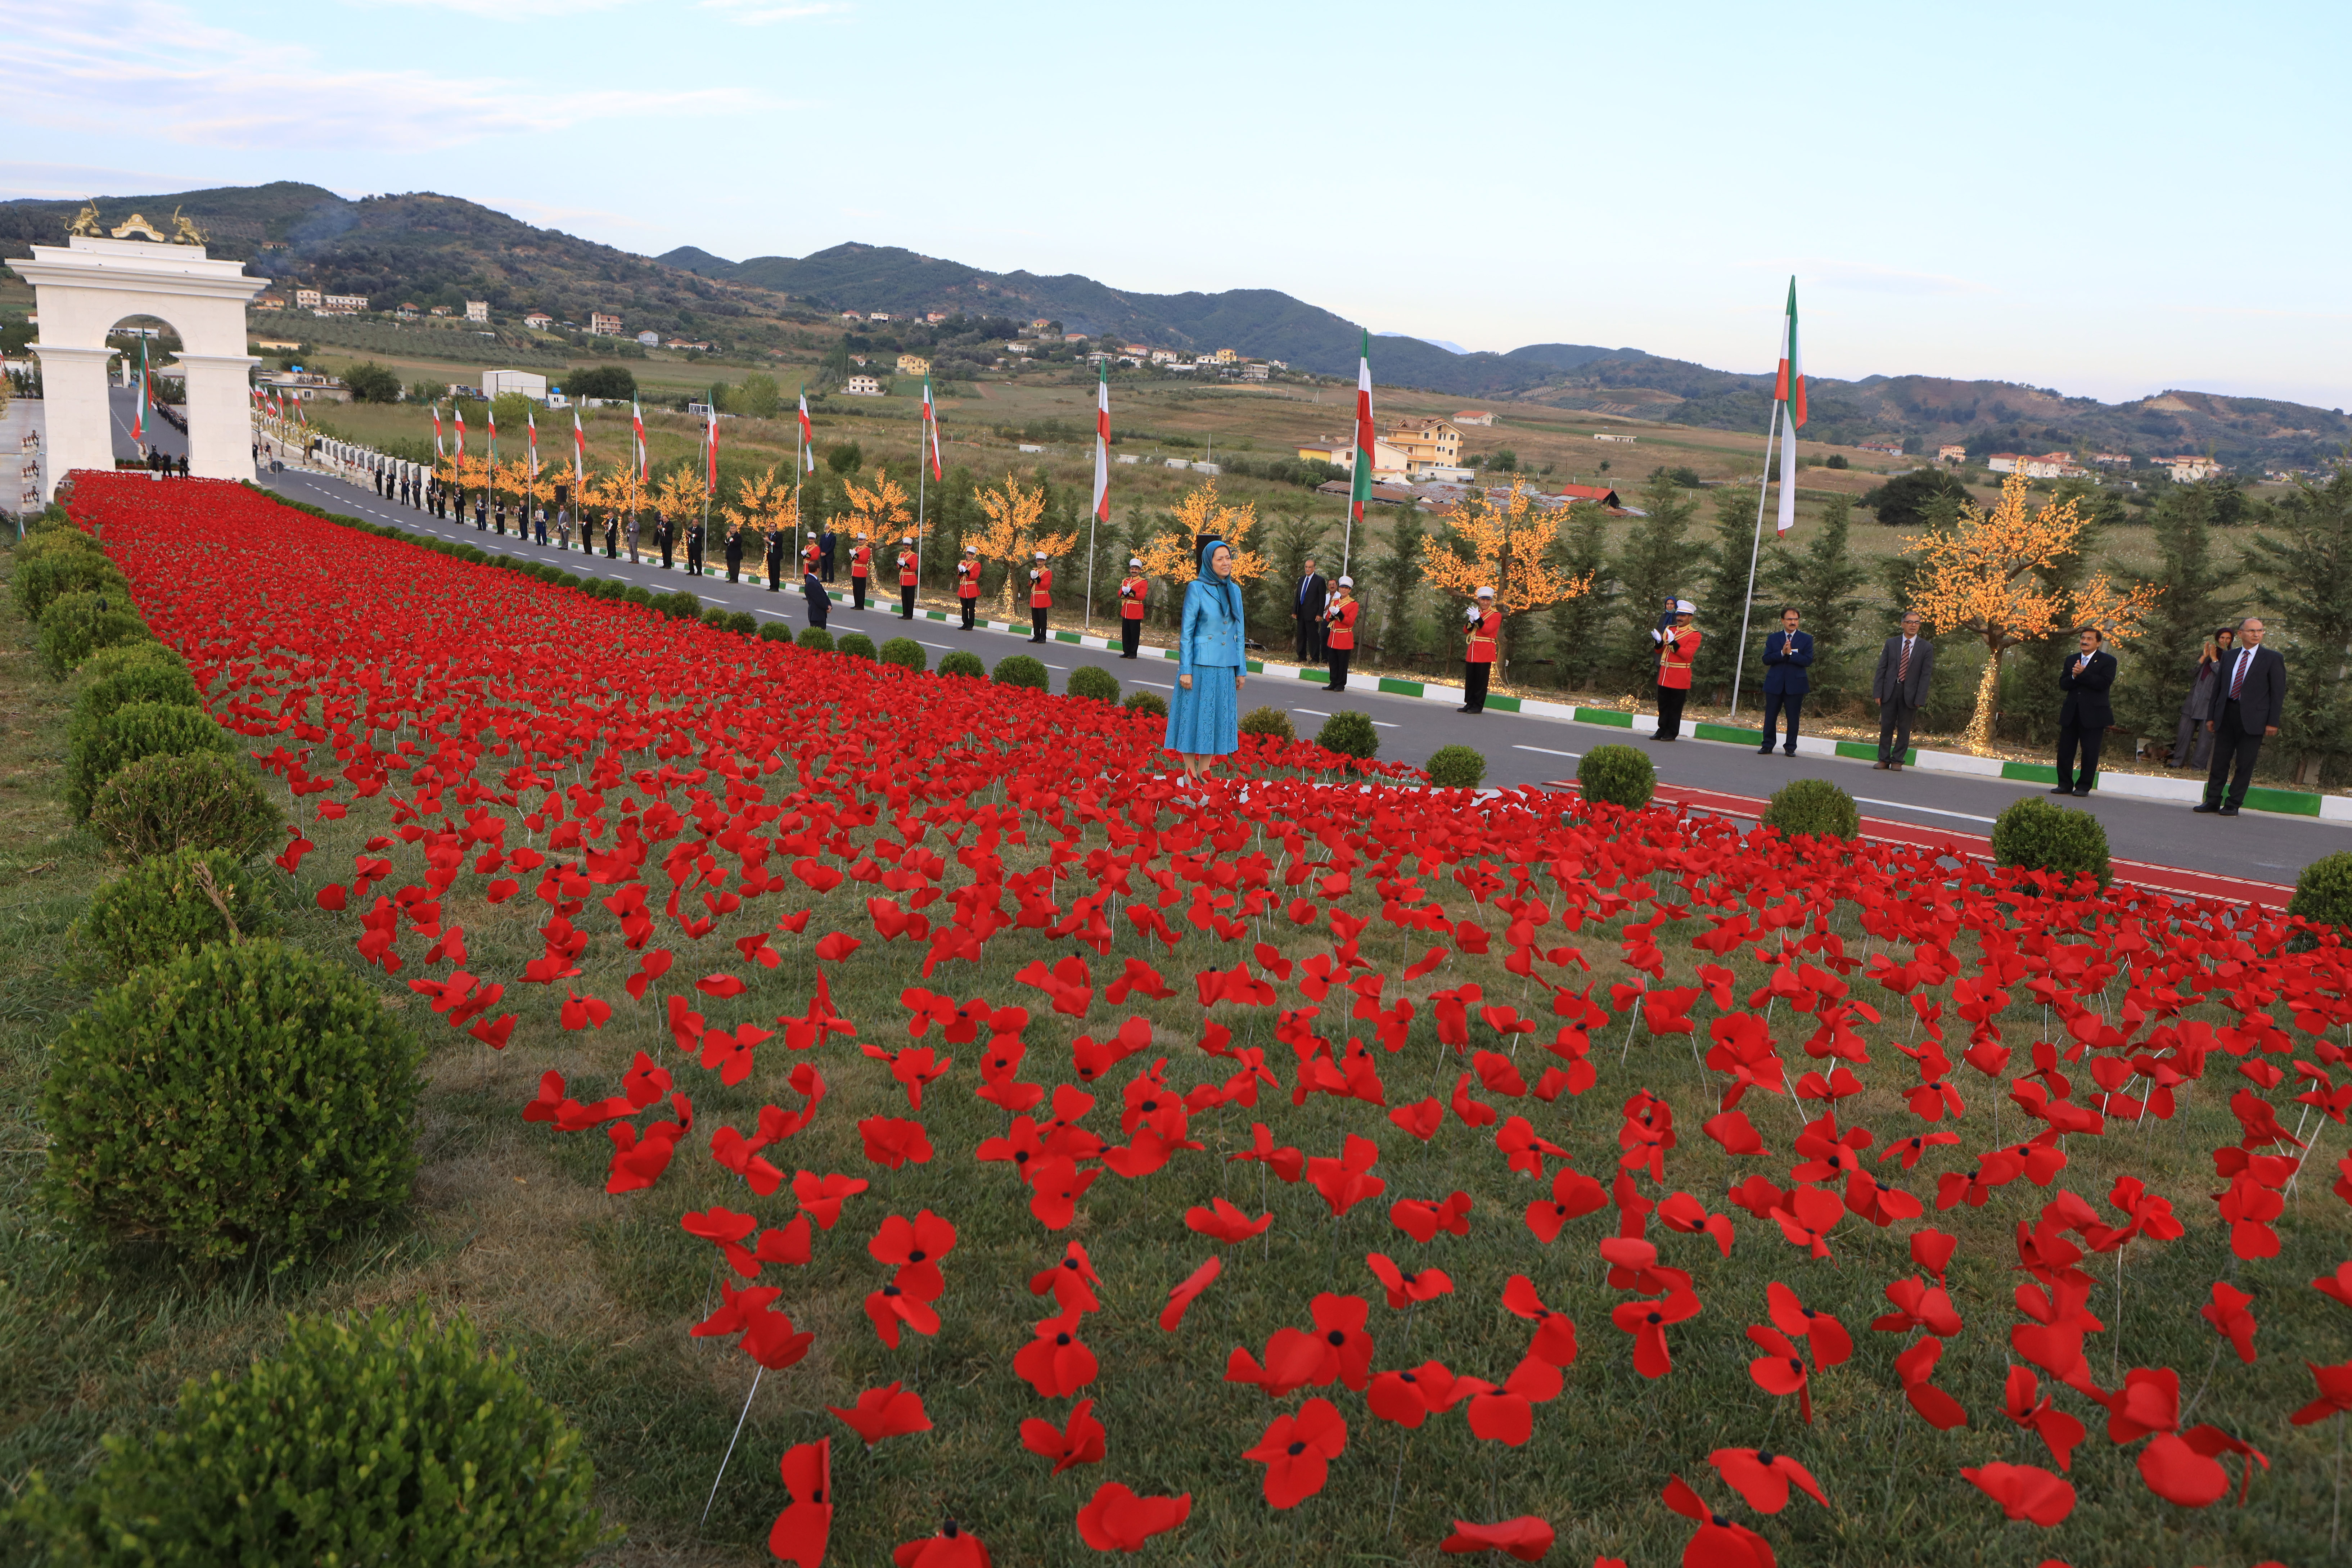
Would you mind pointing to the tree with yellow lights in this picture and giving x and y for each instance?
(762, 504)
(679, 495)
(877, 510)
(1506, 548)
(1011, 536)
(612, 490)
(1978, 578)
(1173, 557)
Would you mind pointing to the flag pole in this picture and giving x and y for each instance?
(922, 476)
(1755, 547)
(1102, 479)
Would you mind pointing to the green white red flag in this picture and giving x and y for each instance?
(1788, 392)
(1102, 443)
(1360, 491)
(931, 429)
(808, 435)
(637, 430)
(139, 409)
(579, 453)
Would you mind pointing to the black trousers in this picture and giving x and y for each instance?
(1474, 685)
(1670, 711)
(1339, 657)
(775, 576)
(1310, 636)
(817, 609)
(1775, 704)
(827, 559)
(2234, 751)
(857, 591)
(1037, 614)
(907, 602)
(1894, 717)
(970, 608)
(1130, 637)
(2088, 737)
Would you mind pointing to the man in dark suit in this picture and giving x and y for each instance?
(1787, 659)
(825, 542)
(2084, 716)
(2248, 705)
(1307, 607)
(1905, 665)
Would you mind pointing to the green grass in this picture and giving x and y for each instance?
(596, 1292)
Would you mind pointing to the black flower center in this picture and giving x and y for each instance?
(1296, 1449)
(1061, 1339)
(889, 1290)
(1336, 1336)
(917, 1256)
(1764, 1456)
(1655, 1318)
(1795, 1365)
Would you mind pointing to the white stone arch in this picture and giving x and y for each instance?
(86, 285)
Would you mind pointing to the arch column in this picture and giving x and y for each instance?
(220, 423)
(76, 411)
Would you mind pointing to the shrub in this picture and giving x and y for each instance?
(742, 623)
(815, 637)
(199, 800)
(715, 618)
(1350, 735)
(383, 1440)
(147, 680)
(960, 661)
(855, 645)
(1020, 669)
(1455, 767)
(906, 653)
(38, 579)
(1621, 775)
(1268, 721)
(680, 605)
(775, 631)
(79, 624)
(1149, 703)
(134, 730)
(638, 593)
(125, 655)
(566, 579)
(2323, 890)
(1814, 807)
(158, 909)
(1094, 682)
(238, 1098)
(2034, 833)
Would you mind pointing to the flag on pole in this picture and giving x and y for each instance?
(710, 451)
(932, 428)
(637, 429)
(459, 408)
(493, 417)
(808, 435)
(1360, 491)
(436, 432)
(1102, 443)
(579, 453)
(531, 420)
(1789, 390)
(139, 409)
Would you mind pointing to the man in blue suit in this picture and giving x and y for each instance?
(2084, 715)
(1788, 654)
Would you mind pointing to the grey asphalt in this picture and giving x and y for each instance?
(1520, 749)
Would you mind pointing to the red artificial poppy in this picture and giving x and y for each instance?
(1647, 1321)
(2024, 1492)
(1404, 1290)
(1915, 1368)
(1919, 1305)
(791, 1245)
(1781, 1370)
(1506, 1415)
(1472, 1111)
(1411, 1396)
(1055, 1362)
(1932, 1250)
(1683, 1212)
(2228, 1314)
(1763, 1478)
(1055, 1187)
(1184, 1294)
(2024, 1402)
(2335, 1385)
(1222, 1222)
(1079, 1442)
(896, 1306)
(834, 946)
(1421, 1219)
(895, 1140)
(889, 1411)
(2337, 1286)
(1759, 1196)
(1717, 1542)
(1347, 1180)
(1421, 1118)
(1286, 1163)
(725, 1230)
(1555, 1341)
(915, 1248)
(1809, 1216)
(1072, 1281)
(1573, 1194)
(1527, 1538)
(1298, 1451)
(1737, 1135)
(1830, 1344)
(1116, 1519)
(952, 1547)
(800, 1533)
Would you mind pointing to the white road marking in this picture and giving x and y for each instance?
(1930, 810)
(1547, 750)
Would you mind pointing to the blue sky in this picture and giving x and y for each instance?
(2105, 199)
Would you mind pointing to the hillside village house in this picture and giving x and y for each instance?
(2112, 459)
(651, 340)
(407, 311)
(538, 320)
(303, 386)
(1473, 416)
(1166, 356)
(344, 304)
(2047, 465)
(935, 316)
(1255, 370)
(1139, 349)
(2188, 470)
(437, 311)
(1620, 440)
(479, 310)
(863, 386)
(914, 365)
(1952, 453)
(1388, 461)
(269, 302)
(1426, 444)
(306, 298)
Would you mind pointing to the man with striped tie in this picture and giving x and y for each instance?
(1905, 665)
(2247, 707)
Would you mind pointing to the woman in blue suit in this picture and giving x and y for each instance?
(1204, 723)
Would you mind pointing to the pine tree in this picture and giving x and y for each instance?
(1398, 576)
(1579, 636)
(2200, 594)
(1822, 584)
(2304, 570)
(1722, 596)
(1653, 568)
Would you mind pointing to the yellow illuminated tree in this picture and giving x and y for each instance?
(679, 495)
(1012, 535)
(469, 473)
(878, 511)
(1979, 578)
(762, 504)
(1172, 557)
(1506, 548)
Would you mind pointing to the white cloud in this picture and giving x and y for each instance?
(74, 182)
(757, 13)
(153, 67)
(1865, 277)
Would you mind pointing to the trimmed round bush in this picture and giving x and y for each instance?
(38, 579)
(134, 730)
(775, 631)
(742, 623)
(638, 593)
(197, 800)
(906, 653)
(1270, 721)
(564, 579)
(1020, 669)
(145, 682)
(125, 655)
(77, 625)
(383, 1440)
(1350, 735)
(960, 661)
(855, 645)
(1813, 806)
(1456, 767)
(1621, 775)
(239, 1098)
(2040, 836)
(680, 605)
(1094, 682)
(2323, 890)
(715, 618)
(158, 909)
(815, 637)
(1149, 703)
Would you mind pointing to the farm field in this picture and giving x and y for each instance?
(733, 961)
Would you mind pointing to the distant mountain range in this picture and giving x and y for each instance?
(436, 249)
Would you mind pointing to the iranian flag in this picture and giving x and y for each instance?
(1360, 491)
(436, 434)
(931, 430)
(1788, 392)
(459, 408)
(531, 420)
(710, 453)
(139, 409)
(493, 417)
(808, 435)
(637, 429)
(1102, 443)
(579, 453)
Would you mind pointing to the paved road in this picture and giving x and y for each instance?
(1520, 749)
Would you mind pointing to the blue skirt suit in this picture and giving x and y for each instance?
(1206, 720)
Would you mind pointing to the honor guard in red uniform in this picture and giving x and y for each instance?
(906, 578)
(861, 562)
(1041, 597)
(1340, 630)
(1677, 648)
(810, 555)
(1132, 595)
(967, 582)
(1484, 626)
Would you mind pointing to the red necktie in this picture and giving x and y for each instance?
(1903, 665)
(2237, 677)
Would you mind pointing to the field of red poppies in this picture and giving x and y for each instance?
(1321, 1168)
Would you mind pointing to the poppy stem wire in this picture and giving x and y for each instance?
(730, 1448)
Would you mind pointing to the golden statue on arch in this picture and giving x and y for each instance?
(86, 221)
(184, 231)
